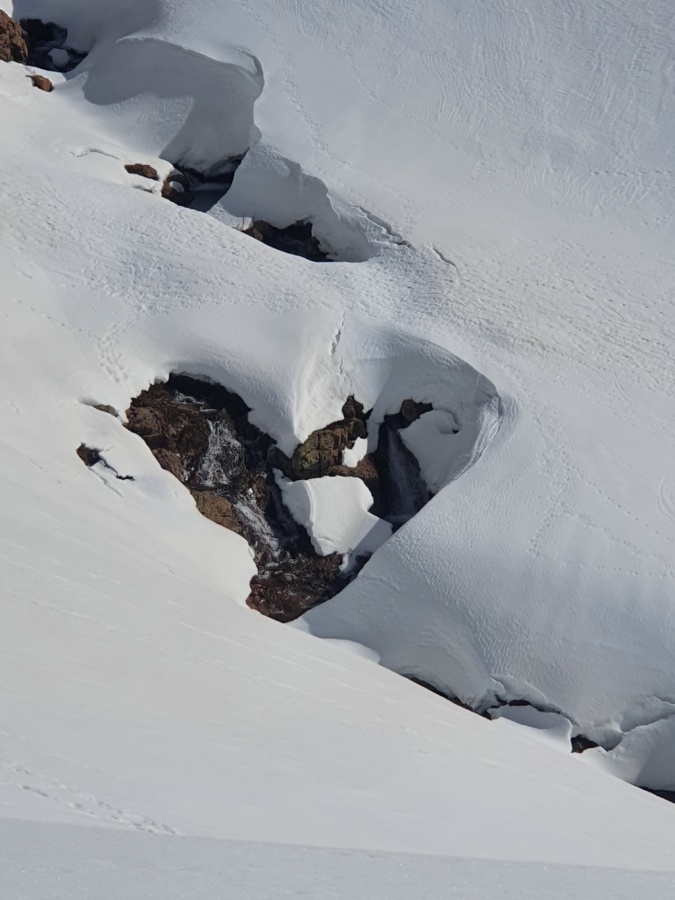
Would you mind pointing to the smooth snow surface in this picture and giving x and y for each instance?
(335, 513)
(497, 179)
(66, 863)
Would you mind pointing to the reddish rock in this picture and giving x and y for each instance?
(42, 83)
(175, 432)
(217, 508)
(143, 170)
(12, 43)
(176, 188)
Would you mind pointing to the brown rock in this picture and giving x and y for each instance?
(12, 43)
(89, 455)
(296, 586)
(42, 83)
(106, 408)
(411, 410)
(175, 432)
(365, 469)
(143, 170)
(296, 239)
(176, 188)
(322, 451)
(216, 508)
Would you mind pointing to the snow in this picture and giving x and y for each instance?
(497, 181)
(335, 513)
(108, 865)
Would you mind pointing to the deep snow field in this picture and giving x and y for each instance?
(495, 182)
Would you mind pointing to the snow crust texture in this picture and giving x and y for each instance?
(523, 152)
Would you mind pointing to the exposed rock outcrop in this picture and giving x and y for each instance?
(297, 239)
(42, 83)
(142, 169)
(176, 188)
(411, 410)
(13, 47)
(321, 453)
(200, 432)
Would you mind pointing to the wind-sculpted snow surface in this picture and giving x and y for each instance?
(522, 150)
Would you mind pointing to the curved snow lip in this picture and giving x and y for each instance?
(271, 187)
(170, 102)
(197, 112)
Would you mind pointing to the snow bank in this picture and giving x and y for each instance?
(525, 151)
(267, 186)
(165, 100)
(335, 513)
(69, 863)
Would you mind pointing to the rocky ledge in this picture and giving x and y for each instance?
(200, 432)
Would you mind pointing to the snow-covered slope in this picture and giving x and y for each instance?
(497, 180)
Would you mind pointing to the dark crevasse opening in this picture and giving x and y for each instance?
(202, 191)
(47, 45)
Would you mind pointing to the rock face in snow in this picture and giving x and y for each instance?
(12, 41)
(142, 169)
(296, 239)
(201, 434)
(42, 83)
(323, 450)
(298, 527)
(176, 188)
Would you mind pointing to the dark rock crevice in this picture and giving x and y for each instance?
(200, 432)
(200, 190)
(37, 43)
(297, 239)
(90, 456)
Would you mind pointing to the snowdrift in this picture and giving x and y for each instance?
(496, 183)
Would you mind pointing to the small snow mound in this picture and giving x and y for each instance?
(167, 101)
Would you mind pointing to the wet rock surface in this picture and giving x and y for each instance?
(296, 239)
(401, 490)
(200, 432)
